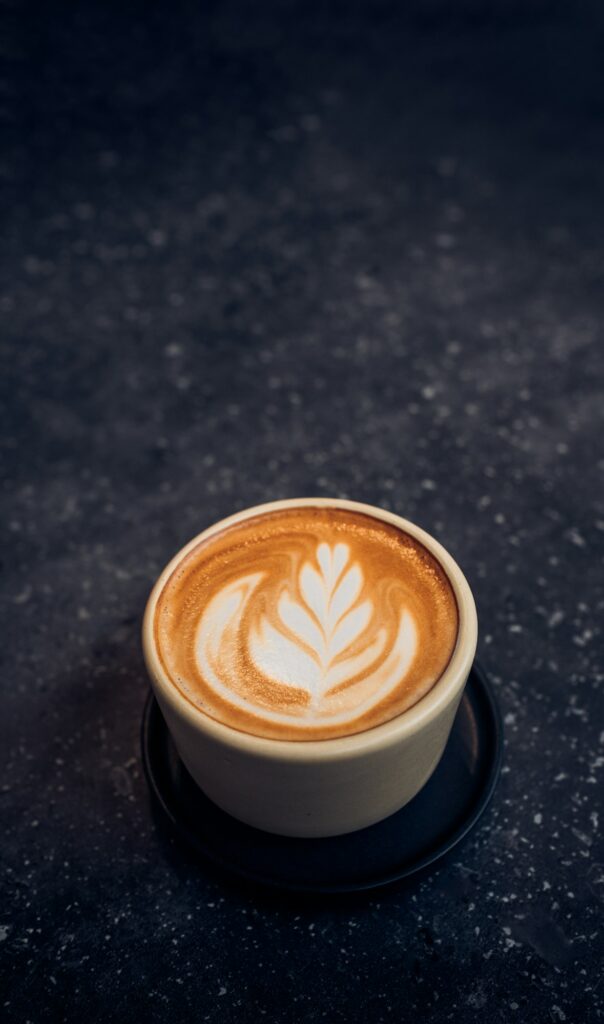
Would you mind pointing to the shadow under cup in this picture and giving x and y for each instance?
(326, 787)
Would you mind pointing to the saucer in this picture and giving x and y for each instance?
(409, 841)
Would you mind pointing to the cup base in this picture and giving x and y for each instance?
(408, 842)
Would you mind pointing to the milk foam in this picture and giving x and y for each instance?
(326, 636)
(306, 623)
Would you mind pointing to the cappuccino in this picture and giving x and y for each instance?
(306, 623)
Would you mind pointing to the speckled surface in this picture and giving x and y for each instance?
(250, 256)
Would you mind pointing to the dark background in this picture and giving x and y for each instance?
(259, 251)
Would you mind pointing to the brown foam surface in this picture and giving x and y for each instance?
(307, 623)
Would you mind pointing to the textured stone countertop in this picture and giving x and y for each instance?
(314, 251)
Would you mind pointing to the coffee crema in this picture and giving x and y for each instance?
(306, 623)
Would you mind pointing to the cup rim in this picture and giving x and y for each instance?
(447, 688)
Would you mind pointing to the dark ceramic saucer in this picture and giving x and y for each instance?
(413, 839)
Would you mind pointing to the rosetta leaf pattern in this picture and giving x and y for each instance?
(320, 624)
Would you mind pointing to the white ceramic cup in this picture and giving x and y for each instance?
(317, 787)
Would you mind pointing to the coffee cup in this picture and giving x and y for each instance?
(313, 787)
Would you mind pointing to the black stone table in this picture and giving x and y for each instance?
(256, 251)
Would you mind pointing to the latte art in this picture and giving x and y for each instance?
(323, 638)
(306, 623)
